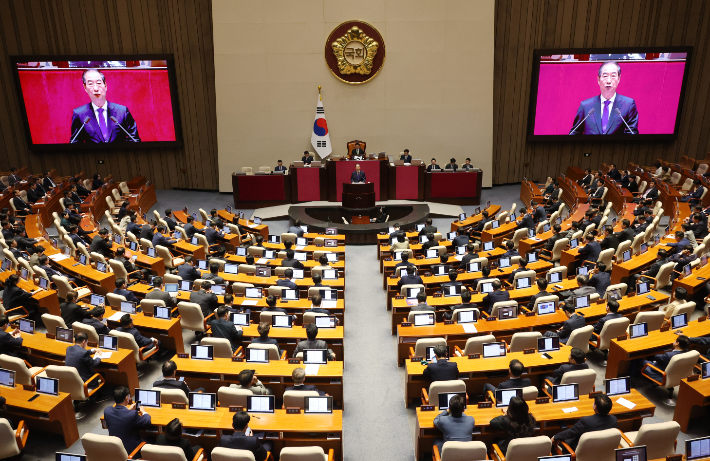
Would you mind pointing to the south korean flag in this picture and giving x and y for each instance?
(320, 138)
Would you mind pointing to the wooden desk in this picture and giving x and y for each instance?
(572, 193)
(530, 191)
(307, 264)
(169, 332)
(690, 396)
(621, 272)
(657, 342)
(143, 201)
(505, 231)
(692, 283)
(471, 220)
(281, 429)
(617, 197)
(549, 416)
(527, 245)
(275, 375)
(303, 283)
(262, 229)
(231, 241)
(47, 412)
(99, 282)
(289, 337)
(47, 299)
(119, 369)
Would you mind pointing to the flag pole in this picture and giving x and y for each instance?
(319, 98)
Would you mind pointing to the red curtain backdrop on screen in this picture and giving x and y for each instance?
(51, 96)
(655, 86)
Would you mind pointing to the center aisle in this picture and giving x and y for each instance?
(375, 424)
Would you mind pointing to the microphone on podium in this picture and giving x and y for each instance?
(124, 130)
(618, 112)
(86, 120)
(585, 118)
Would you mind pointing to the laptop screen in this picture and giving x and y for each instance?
(495, 224)
(545, 344)
(494, 350)
(582, 270)
(321, 404)
(315, 356)
(171, 288)
(581, 302)
(65, 334)
(441, 269)
(466, 316)
(626, 255)
(546, 308)
(199, 352)
(452, 290)
(282, 321)
(474, 267)
(420, 227)
(554, 277)
(202, 264)
(218, 289)
(325, 321)
(186, 285)
(487, 287)
(521, 283)
(202, 401)
(128, 307)
(240, 251)
(291, 295)
(679, 321)
(329, 274)
(445, 398)
(503, 396)
(332, 257)
(705, 370)
(260, 403)
(565, 392)
(162, 313)
(257, 355)
(618, 386)
(27, 326)
(413, 292)
(503, 263)
(423, 320)
(148, 397)
(488, 246)
(573, 243)
(636, 453)
(231, 268)
(638, 330)
(251, 292)
(108, 342)
(240, 319)
(642, 288)
(301, 241)
(69, 457)
(329, 295)
(531, 257)
(505, 313)
(7, 377)
(555, 458)
(300, 256)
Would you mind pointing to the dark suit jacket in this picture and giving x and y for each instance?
(460, 240)
(101, 246)
(527, 222)
(357, 177)
(600, 282)
(190, 230)
(21, 205)
(552, 240)
(593, 124)
(266, 340)
(163, 296)
(633, 187)
(569, 325)
(159, 239)
(427, 229)
(305, 387)
(564, 368)
(92, 131)
(225, 329)
(306, 160)
(141, 340)
(15, 296)
(188, 272)
(590, 251)
(600, 324)
(442, 370)
(610, 241)
(172, 384)
(146, 233)
(134, 229)
(239, 441)
(614, 174)
(491, 298)
(126, 294)
(650, 193)
(170, 222)
(8, 343)
(406, 158)
(287, 283)
(48, 183)
(80, 359)
(125, 424)
(358, 152)
(296, 230)
(214, 277)
(34, 195)
(207, 301)
(586, 424)
(534, 297)
(624, 235)
(410, 280)
(72, 312)
(213, 236)
(292, 263)
(539, 214)
(515, 383)
(100, 328)
(433, 167)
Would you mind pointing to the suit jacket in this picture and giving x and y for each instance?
(624, 235)
(213, 236)
(433, 167)
(214, 277)
(552, 240)
(239, 441)
(159, 239)
(170, 222)
(586, 424)
(135, 229)
(491, 298)
(410, 280)
(92, 131)
(539, 214)
(358, 177)
(610, 241)
(21, 205)
(304, 387)
(460, 240)
(316, 344)
(8, 343)
(172, 384)
(80, 358)
(125, 424)
(100, 328)
(34, 195)
(427, 229)
(163, 296)
(650, 193)
(287, 283)
(358, 152)
(307, 159)
(406, 158)
(633, 187)
(190, 230)
(15, 296)
(466, 258)
(146, 232)
(534, 297)
(292, 263)
(126, 294)
(442, 370)
(600, 282)
(514, 383)
(527, 222)
(188, 272)
(208, 301)
(613, 174)
(593, 124)
(655, 267)
(590, 251)
(101, 246)
(610, 316)
(455, 429)
(266, 340)
(564, 368)
(222, 328)
(141, 340)
(295, 230)
(575, 321)
(72, 312)
(279, 168)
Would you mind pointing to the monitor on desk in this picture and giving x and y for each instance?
(240, 319)
(451, 235)
(241, 251)
(171, 288)
(412, 292)
(332, 257)
(424, 319)
(524, 282)
(618, 386)
(466, 316)
(194, 240)
(581, 302)
(705, 370)
(65, 335)
(582, 270)
(546, 344)
(282, 321)
(82, 261)
(202, 265)
(253, 293)
(546, 308)
(199, 352)
(331, 231)
(326, 321)
(133, 246)
(503, 263)
(487, 287)
(330, 243)
(635, 453)
(47, 386)
(452, 290)
(489, 246)
(202, 401)
(679, 321)
(329, 274)
(626, 256)
(638, 330)
(225, 229)
(554, 277)
(108, 342)
(261, 403)
(642, 288)
(297, 274)
(477, 210)
(257, 355)
(697, 448)
(290, 295)
(430, 355)
(503, 396)
(573, 243)
(101, 267)
(495, 224)
(531, 257)
(257, 220)
(315, 356)
(269, 254)
(320, 404)
(474, 267)
(69, 457)
(420, 227)
(27, 326)
(328, 294)
(151, 252)
(441, 269)
(7, 264)
(263, 271)
(445, 398)
(531, 233)
(565, 392)
(643, 248)
(7, 378)
(546, 227)
(300, 256)
(460, 250)
(301, 241)
(462, 217)
(128, 307)
(491, 350)
(432, 253)
(186, 285)
(555, 458)
(507, 313)
(218, 289)
(162, 313)
(231, 269)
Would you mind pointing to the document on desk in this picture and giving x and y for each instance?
(570, 410)
(103, 355)
(58, 257)
(299, 247)
(329, 304)
(626, 403)
(469, 328)
(253, 225)
(116, 317)
(262, 261)
(249, 302)
(458, 257)
(312, 369)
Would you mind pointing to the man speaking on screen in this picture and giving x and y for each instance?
(610, 112)
(101, 121)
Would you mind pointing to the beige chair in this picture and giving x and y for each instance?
(148, 305)
(222, 348)
(51, 322)
(699, 250)
(167, 453)
(170, 261)
(90, 331)
(246, 269)
(24, 264)
(523, 449)
(12, 442)
(170, 396)
(540, 226)
(120, 270)
(25, 373)
(685, 308)
(557, 249)
(288, 237)
(663, 278)
(403, 290)
(71, 383)
(310, 317)
(64, 286)
(295, 399)
(229, 396)
(130, 236)
(15, 314)
(256, 251)
(145, 244)
(81, 249)
(594, 446)
(248, 170)
(611, 330)
(653, 319)
(525, 274)
(240, 288)
(105, 448)
(520, 234)
(606, 257)
(580, 338)
(419, 349)
(623, 246)
(499, 304)
(114, 300)
(273, 350)
(530, 393)
(622, 287)
(474, 345)
(231, 454)
(659, 439)
(561, 269)
(460, 451)
(172, 278)
(305, 454)
(11, 257)
(680, 367)
(98, 258)
(191, 317)
(438, 387)
(128, 341)
(585, 379)
(524, 340)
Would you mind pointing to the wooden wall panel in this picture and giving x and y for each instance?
(524, 25)
(181, 28)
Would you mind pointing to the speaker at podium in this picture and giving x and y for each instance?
(358, 196)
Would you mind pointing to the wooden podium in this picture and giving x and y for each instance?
(359, 196)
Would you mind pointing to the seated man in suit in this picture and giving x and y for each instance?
(24, 243)
(682, 259)
(316, 301)
(13, 296)
(124, 421)
(160, 239)
(432, 166)
(148, 230)
(128, 327)
(627, 233)
(134, 272)
(290, 261)
(358, 152)
(510, 250)
(102, 244)
(577, 359)
(286, 281)
(96, 320)
(428, 228)
(307, 158)
(679, 244)
(541, 283)
(515, 371)
(215, 237)
(632, 185)
(651, 193)
(187, 270)
(522, 266)
(583, 290)
(205, 298)
(586, 179)
(612, 309)
(660, 361)
(590, 251)
(280, 166)
(248, 380)
(497, 295)
(9, 341)
(680, 296)
(556, 235)
(159, 293)
(244, 439)
(34, 193)
(263, 330)
(79, 357)
(453, 275)
(222, 327)
(451, 165)
(406, 157)
(610, 240)
(599, 421)
(404, 262)
(698, 191)
(422, 304)
(539, 214)
(271, 305)
(296, 228)
(122, 291)
(461, 238)
(214, 274)
(470, 254)
(442, 369)
(454, 425)
(133, 228)
(599, 279)
(467, 166)
(357, 176)
(661, 259)
(699, 226)
(23, 208)
(613, 173)
(190, 229)
(299, 377)
(72, 312)
(574, 321)
(169, 380)
(526, 221)
(410, 278)
(172, 437)
(312, 342)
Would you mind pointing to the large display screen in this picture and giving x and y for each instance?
(98, 101)
(607, 94)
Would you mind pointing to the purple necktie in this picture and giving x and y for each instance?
(605, 116)
(102, 124)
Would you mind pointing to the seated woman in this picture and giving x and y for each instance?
(516, 423)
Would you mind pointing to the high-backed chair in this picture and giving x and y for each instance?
(273, 350)
(611, 330)
(622, 287)
(12, 442)
(51, 322)
(221, 347)
(128, 341)
(170, 396)
(585, 379)
(438, 387)
(229, 396)
(556, 253)
(419, 349)
(474, 345)
(520, 234)
(460, 451)
(79, 327)
(654, 319)
(145, 244)
(105, 448)
(310, 317)
(114, 300)
(170, 261)
(659, 439)
(403, 290)
(71, 383)
(685, 308)
(523, 449)
(593, 446)
(11, 257)
(499, 304)
(191, 317)
(680, 366)
(167, 453)
(246, 269)
(606, 257)
(580, 338)
(545, 299)
(524, 340)
(25, 373)
(231, 454)
(295, 399)
(240, 287)
(305, 453)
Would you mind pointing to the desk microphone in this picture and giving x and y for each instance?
(622, 118)
(575, 128)
(86, 120)
(129, 134)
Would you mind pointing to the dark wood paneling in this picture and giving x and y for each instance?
(181, 28)
(524, 25)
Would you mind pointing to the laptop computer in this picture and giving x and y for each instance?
(618, 386)
(202, 401)
(565, 392)
(494, 350)
(503, 396)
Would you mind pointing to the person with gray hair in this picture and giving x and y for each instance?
(299, 377)
(608, 113)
